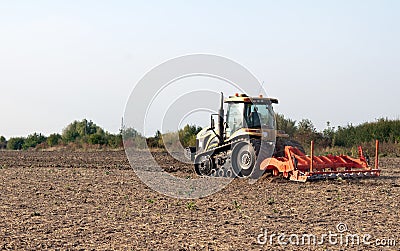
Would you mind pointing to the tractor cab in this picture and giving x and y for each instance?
(245, 113)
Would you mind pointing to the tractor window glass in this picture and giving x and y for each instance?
(234, 118)
(258, 115)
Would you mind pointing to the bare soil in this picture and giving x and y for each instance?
(94, 201)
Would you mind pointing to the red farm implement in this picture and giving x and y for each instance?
(297, 166)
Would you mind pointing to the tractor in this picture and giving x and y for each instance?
(245, 143)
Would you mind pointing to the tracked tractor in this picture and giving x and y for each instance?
(234, 145)
(245, 143)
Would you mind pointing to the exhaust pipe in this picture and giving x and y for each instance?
(221, 120)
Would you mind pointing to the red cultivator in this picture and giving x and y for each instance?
(298, 167)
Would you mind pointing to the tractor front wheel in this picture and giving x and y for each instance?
(243, 159)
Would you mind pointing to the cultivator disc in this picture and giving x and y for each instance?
(297, 166)
(344, 175)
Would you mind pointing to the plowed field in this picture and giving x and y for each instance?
(94, 201)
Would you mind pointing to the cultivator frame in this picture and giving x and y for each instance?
(297, 166)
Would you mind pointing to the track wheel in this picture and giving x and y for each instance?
(204, 166)
(243, 159)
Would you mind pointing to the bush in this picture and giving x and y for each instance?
(97, 139)
(187, 135)
(84, 132)
(133, 139)
(173, 140)
(170, 140)
(15, 143)
(114, 141)
(54, 139)
(33, 140)
(286, 125)
(383, 129)
(3, 142)
(156, 141)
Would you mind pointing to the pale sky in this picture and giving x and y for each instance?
(61, 61)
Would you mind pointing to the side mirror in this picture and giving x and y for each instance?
(212, 123)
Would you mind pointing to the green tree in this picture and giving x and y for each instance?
(187, 135)
(329, 134)
(114, 141)
(133, 139)
(3, 142)
(15, 143)
(383, 129)
(306, 126)
(82, 131)
(285, 124)
(70, 133)
(97, 139)
(306, 132)
(33, 140)
(54, 139)
(156, 141)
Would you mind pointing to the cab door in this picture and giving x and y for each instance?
(234, 118)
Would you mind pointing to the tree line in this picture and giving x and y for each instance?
(86, 133)
(185, 137)
(385, 130)
(81, 134)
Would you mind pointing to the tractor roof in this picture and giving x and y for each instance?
(243, 98)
